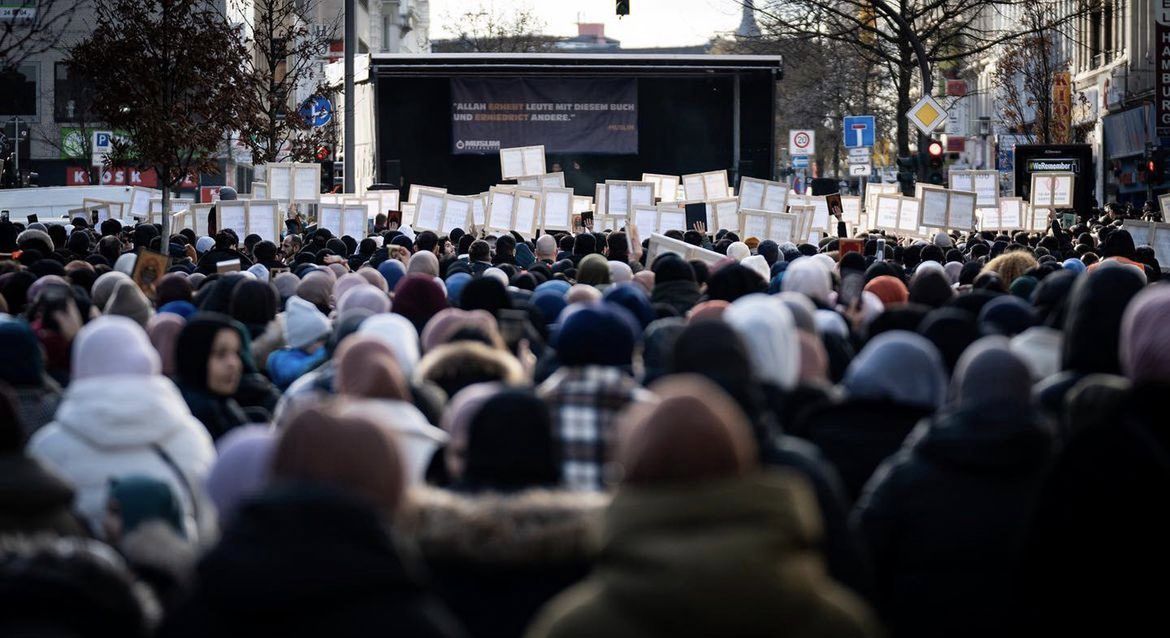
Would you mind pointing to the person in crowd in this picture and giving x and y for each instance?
(879, 408)
(305, 332)
(315, 553)
(699, 540)
(595, 348)
(493, 578)
(33, 499)
(945, 518)
(36, 394)
(209, 365)
(1097, 520)
(120, 416)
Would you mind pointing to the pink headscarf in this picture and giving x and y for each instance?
(163, 330)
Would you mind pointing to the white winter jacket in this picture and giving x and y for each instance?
(106, 427)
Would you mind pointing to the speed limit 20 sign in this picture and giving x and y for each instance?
(802, 142)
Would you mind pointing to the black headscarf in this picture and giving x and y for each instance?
(254, 304)
(951, 330)
(734, 281)
(484, 293)
(510, 445)
(1092, 327)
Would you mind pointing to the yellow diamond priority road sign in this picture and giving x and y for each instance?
(927, 115)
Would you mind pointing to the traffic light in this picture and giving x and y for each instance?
(623, 7)
(907, 169)
(324, 157)
(934, 153)
(1154, 164)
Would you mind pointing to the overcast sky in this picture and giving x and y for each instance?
(651, 23)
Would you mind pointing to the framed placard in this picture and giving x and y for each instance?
(961, 210)
(665, 186)
(754, 223)
(1052, 190)
(140, 201)
(409, 211)
(582, 203)
(781, 227)
(199, 213)
(872, 190)
(1011, 213)
(887, 211)
(617, 198)
(259, 190)
(908, 217)
(479, 205)
(353, 221)
(671, 217)
(264, 219)
(851, 209)
(660, 244)
(279, 178)
(527, 207)
(704, 186)
(306, 182)
(645, 219)
(723, 214)
(500, 206)
(115, 210)
(820, 213)
(805, 215)
(932, 207)
(418, 189)
(985, 185)
(1160, 241)
(762, 194)
(548, 180)
(233, 215)
(641, 194)
(428, 214)
(601, 199)
(519, 161)
(1164, 206)
(1142, 232)
(456, 212)
(556, 209)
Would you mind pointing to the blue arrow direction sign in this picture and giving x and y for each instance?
(317, 111)
(800, 161)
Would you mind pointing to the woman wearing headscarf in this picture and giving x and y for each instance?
(241, 469)
(593, 270)
(368, 376)
(700, 541)
(950, 330)
(120, 416)
(36, 394)
(255, 305)
(209, 359)
(1092, 329)
(674, 283)
(896, 380)
(33, 499)
(945, 518)
(455, 366)
(506, 539)
(315, 553)
(418, 297)
(163, 330)
(1089, 570)
(766, 326)
(317, 288)
(714, 350)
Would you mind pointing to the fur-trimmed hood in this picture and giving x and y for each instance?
(534, 526)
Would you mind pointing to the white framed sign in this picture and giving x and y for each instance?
(520, 161)
(1052, 190)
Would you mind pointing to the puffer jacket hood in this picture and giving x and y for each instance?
(124, 411)
(530, 527)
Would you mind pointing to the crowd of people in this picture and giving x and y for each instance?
(465, 435)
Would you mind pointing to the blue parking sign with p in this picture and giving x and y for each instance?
(103, 139)
(858, 130)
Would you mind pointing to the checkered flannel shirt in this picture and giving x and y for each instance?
(585, 402)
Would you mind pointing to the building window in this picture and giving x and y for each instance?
(1094, 31)
(18, 91)
(1107, 43)
(73, 96)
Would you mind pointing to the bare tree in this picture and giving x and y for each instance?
(483, 30)
(190, 84)
(287, 53)
(1026, 78)
(905, 39)
(31, 27)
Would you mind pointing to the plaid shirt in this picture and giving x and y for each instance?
(585, 402)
